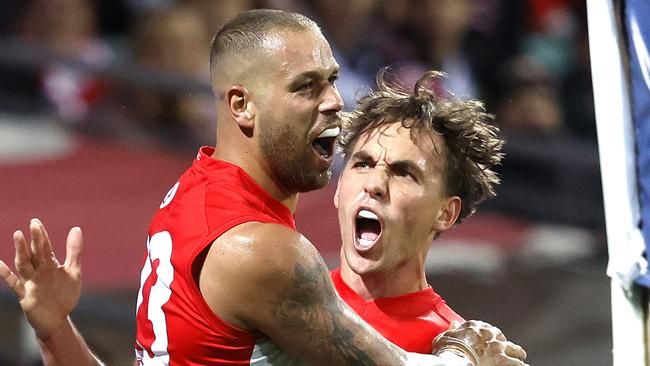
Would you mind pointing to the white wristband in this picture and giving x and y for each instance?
(456, 346)
(452, 358)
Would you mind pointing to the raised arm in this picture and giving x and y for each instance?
(47, 292)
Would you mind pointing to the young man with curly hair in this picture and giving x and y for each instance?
(416, 163)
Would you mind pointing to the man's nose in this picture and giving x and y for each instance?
(332, 101)
(376, 185)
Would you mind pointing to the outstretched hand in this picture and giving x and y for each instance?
(47, 291)
(485, 344)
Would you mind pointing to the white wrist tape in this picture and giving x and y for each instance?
(457, 346)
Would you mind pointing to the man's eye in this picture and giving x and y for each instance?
(332, 79)
(360, 164)
(404, 174)
(306, 86)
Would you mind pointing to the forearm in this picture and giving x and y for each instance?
(67, 347)
(357, 343)
(322, 329)
(289, 297)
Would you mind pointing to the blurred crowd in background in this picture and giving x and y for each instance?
(528, 60)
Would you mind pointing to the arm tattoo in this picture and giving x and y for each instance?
(310, 307)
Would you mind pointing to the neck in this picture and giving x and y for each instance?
(405, 279)
(248, 159)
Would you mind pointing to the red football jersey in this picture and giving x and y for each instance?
(410, 321)
(175, 326)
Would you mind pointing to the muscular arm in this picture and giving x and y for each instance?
(307, 317)
(310, 306)
(270, 278)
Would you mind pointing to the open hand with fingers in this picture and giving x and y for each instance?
(47, 291)
(480, 342)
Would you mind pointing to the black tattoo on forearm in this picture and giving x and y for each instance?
(310, 307)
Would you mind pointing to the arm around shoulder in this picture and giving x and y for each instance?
(277, 283)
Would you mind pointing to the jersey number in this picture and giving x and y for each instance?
(155, 289)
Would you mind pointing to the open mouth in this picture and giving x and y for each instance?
(368, 229)
(324, 143)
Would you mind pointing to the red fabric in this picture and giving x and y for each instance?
(410, 321)
(540, 10)
(211, 197)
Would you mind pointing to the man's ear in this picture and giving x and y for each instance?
(448, 214)
(336, 194)
(241, 108)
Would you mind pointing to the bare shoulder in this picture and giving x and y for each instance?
(261, 247)
(263, 234)
(249, 261)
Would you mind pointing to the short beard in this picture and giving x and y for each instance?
(290, 158)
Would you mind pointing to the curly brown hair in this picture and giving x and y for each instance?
(472, 143)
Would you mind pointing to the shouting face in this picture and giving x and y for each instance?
(391, 200)
(299, 107)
